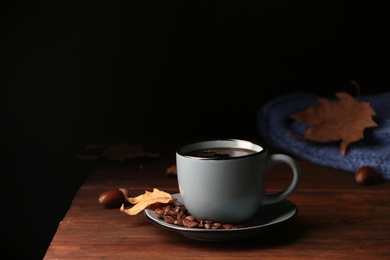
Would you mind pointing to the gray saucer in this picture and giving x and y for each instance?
(271, 216)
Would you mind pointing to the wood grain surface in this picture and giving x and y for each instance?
(337, 219)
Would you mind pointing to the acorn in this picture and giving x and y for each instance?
(367, 175)
(113, 198)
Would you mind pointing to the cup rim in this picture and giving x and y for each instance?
(190, 146)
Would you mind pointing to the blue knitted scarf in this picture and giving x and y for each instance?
(274, 122)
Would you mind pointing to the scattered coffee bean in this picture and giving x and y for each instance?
(227, 226)
(169, 219)
(179, 215)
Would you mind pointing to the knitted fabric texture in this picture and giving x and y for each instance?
(278, 130)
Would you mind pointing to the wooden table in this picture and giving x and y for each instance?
(337, 219)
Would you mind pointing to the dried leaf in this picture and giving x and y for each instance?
(343, 120)
(144, 200)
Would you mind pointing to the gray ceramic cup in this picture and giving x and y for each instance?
(224, 180)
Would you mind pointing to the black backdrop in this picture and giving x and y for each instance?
(76, 73)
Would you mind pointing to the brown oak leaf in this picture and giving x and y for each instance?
(343, 120)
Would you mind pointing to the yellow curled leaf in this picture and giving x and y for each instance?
(137, 199)
(143, 204)
(146, 199)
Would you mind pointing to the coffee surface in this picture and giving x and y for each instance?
(220, 152)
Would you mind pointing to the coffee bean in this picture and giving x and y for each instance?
(227, 226)
(169, 219)
(159, 213)
(189, 223)
(190, 218)
(179, 215)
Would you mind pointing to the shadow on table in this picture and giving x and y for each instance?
(282, 235)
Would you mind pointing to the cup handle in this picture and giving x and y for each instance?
(282, 158)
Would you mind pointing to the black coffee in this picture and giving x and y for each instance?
(220, 152)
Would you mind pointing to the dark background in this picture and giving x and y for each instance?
(77, 73)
